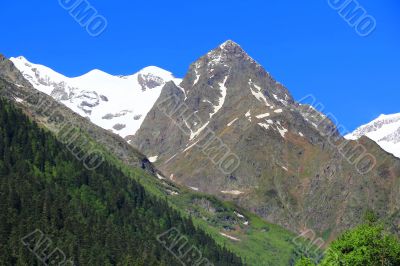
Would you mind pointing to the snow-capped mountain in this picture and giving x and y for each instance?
(231, 130)
(116, 103)
(385, 130)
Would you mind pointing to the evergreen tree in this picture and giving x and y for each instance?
(97, 217)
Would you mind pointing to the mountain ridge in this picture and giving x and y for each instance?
(384, 130)
(116, 103)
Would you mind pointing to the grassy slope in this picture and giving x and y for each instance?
(261, 243)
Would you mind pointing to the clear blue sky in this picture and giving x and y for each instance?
(305, 45)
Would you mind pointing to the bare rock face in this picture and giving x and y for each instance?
(149, 81)
(119, 126)
(288, 161)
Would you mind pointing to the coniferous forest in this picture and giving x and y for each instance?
(94, 217)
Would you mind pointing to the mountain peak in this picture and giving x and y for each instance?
(22, 58)
(228, 51)
(229, 44)
(96, 72)
(160, 72)
(230, 48)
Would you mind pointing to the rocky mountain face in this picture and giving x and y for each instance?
(231, 130)
(240, 230)
(384, 130)
(115, 103)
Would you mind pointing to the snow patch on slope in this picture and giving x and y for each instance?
(264, 125)
(257, 92)
(231, 123)
(196, 133)
(197, 74)
(153, 159)
(221, 100)
(262, 115)
(232, 192)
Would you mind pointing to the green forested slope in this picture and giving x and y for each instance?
(96, 217)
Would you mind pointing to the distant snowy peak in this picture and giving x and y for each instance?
(116, 103)
(385, 130)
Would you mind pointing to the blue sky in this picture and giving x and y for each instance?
(306, 46)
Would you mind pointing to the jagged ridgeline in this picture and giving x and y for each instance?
(291, 166)
(97, 217)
